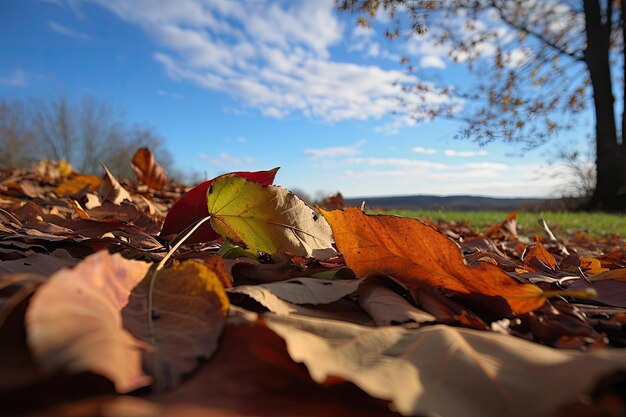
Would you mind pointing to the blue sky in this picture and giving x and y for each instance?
(248, 85)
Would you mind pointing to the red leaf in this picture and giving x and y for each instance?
(192, 207)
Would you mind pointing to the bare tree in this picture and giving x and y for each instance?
(539, 64)
(81, 133)
(16, 141)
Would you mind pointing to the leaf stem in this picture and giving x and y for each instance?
(178, 240)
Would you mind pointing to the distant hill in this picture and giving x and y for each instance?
(457, 202)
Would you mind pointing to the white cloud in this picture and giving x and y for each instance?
(425, 151)
(167, 94)
(432, 61)
(272, 56)
(464, 154)
(224, 159)
(65, 31)
(415, 177)
(335, 151)
(487, 166)
(517, 57)
(395, 163)
(15, 79)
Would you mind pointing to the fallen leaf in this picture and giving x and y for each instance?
(443, 370)
(311, 291)
(37, 263)
(77, 183)
(78, 210)
(53, 170)
(74, 321)
(507, 229)
(16, 288)
(18, 368)
(386, 306)
(593, 267)
(609, 291)
(253, 375)
(267, 218)
(539, 253)
(412, 252)
(148, 169)
(184, 325)
(111, 189)
(260, 299)
(192, 207)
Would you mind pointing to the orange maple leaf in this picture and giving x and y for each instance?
(413, 252)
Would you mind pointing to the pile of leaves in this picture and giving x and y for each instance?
(235, 297)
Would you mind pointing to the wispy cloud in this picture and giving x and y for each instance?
(396, 163)
(167, 94)
(425, 151)
(272, 56)
(371, 176)
(16, 78)
(224, 159)
(64, 30)
(335, 151)
(464, 154)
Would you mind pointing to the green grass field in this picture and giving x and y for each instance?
(594, 224)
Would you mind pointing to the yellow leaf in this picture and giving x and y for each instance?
(267, 218)
(77, 183)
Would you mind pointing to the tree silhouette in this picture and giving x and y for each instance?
(539, 64)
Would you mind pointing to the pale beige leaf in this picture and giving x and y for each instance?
(302, 295)
(312, 290)
(74, 321)
(309, 297)
(445, 371)
(387, 307)
(111, 189)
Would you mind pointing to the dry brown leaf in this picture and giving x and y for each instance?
(387, 307)
(111, 189)
(538, 252)
(18, 368)
(592, 266)
(148, 169)
(253, 375)
(78, 210)
(443, 370)
(413, 252)
(37, 263)
(614, 274)
(74, 321)
(184, 326)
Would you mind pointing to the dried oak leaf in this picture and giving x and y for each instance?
(412, 252)
(148, 169)
(192, 206)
